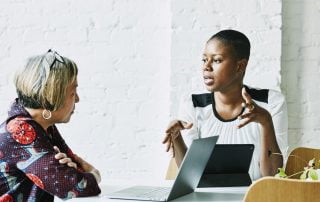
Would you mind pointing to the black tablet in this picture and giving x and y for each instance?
(228, 166)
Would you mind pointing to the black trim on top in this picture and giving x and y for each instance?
(201, 100)
(258, 94)
(205, 99)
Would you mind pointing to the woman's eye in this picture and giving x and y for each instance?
(204, 60)
(217, 61)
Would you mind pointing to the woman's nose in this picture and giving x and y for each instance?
(77, 98)
(207, 66)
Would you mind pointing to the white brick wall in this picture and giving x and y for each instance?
(122, 49)
(137, 58)
(301, 70)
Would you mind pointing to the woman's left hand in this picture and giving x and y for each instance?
(63, 158)
(255, 113)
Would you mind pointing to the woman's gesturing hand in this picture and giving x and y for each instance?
(255, 113)
(173, 131)
(63, 158)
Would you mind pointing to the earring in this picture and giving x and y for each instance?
(48, 112)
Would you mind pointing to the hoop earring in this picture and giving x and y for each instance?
(44, 114)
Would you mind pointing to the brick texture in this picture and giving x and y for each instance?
(139, 58)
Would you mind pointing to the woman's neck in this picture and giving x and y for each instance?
(232, 97)
(36, 115)
(228, 104)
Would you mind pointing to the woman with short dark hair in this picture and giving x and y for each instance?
(235, 112)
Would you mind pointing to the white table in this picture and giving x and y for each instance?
(221, 194)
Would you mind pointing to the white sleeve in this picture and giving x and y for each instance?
(278, 110)
(187, 113)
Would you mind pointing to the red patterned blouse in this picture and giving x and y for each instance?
(28, 169)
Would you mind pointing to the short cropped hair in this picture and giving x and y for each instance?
(43, 82)
(237, 40)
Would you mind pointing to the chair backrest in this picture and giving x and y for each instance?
(172, 170)
(283, 190)
(299, 158)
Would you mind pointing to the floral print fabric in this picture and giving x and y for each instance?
(28, 169)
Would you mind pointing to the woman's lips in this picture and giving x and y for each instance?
(208, 81)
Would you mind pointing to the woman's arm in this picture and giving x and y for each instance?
(268, 163)
(174, 140)
(73, 163)
(72, 158)
(37, 161)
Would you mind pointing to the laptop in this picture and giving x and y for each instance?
(188, 177)
(228, 166)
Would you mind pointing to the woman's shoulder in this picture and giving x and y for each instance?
(22, 131)
(266, 96)
(201, 100)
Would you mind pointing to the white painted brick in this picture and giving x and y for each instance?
(123, 59)
(99, 35)
(273, 7)
(137, 59)
(301, 64)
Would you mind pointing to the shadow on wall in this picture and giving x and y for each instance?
(300, 70)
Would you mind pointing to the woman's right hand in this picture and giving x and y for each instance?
(87, 167)
(63, 158)
(173, 131)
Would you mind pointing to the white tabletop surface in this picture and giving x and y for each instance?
(221, 194)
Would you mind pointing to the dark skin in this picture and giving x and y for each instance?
(223, 74)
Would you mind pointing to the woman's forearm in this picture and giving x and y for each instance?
(180, 149)
(269, 163)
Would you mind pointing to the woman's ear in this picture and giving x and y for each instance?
(242, 65)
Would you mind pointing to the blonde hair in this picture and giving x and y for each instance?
(42, 83)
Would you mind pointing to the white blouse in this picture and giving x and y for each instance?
(200, 110)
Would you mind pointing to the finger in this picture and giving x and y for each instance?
(65, 160)
(246, 96)
(246, 115)
(168, 146)
(178, 125)
(72, 165)
(244, 122)
(186, 125)
(175, 135)
(172, 153)
(60, 155)
(174, 125)
(56, 149)
(77, 158)
(166, 138)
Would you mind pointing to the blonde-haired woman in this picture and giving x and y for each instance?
(35, 162)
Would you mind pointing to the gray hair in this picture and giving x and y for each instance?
(42, 83)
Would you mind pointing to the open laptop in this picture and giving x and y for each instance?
(187, 179)
(228, 166)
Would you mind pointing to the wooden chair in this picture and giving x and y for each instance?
(299, 158)
(172, 170)
(271, 189)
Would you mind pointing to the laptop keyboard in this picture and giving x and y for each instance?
(156, 194)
